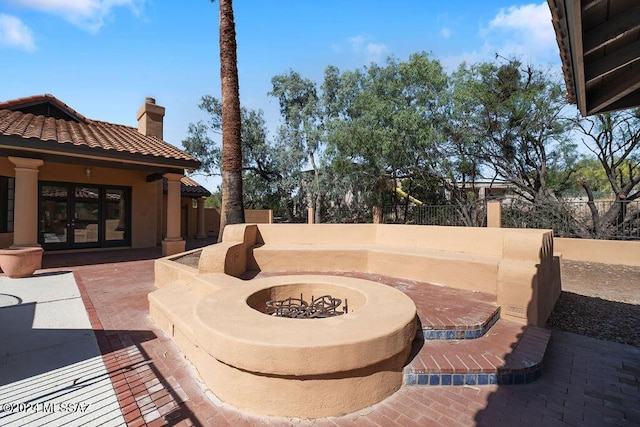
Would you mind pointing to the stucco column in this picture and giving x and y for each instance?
(201, 234)
(25, 209)
(173, 243)
(494, 213)
(310, 215)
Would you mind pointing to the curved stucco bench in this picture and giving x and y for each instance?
(209, 314)
(515, 265)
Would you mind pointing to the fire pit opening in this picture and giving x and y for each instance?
(315, 308)
(290, 300)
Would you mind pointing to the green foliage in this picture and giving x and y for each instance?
(344, 146)
(301, 133)
(614, 138)
(590, 172)
(383, 119)
(214, 200)
(511, 119)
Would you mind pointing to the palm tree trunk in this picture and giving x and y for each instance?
(232, 211)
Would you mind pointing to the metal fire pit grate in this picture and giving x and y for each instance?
(298, 308)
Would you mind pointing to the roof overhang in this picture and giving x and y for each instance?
(62, 153)
(599, 43)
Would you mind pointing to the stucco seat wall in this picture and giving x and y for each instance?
(459, 270)
(307, 257)
(515, 265)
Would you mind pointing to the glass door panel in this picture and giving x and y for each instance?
(86, 215)
(115, 215)
(53, 215)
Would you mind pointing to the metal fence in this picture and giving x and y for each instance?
(578, 219)
(473, 214)
(597, 220)
(616, 220)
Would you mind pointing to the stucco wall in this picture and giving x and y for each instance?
(252, 216)
(212, 221)
(143, 194)
(605, 251)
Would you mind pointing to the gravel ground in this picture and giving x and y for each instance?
(598, 300)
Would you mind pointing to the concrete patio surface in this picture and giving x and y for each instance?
(51, 369)
(83, 329)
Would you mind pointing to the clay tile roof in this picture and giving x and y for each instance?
(38, 99)
(68, 135)
(188, 188)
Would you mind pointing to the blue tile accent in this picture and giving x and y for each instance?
(445, 379)
(429, 335)
(410, 379)
(458, 379)
(434, 379)
(425, 379)
(461, 334)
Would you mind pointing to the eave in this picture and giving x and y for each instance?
(599, 42)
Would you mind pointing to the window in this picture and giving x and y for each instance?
(7, 198)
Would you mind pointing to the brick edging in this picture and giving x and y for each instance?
(114, 360)
(522, 366)
(462, 332)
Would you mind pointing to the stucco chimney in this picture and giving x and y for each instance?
(150, 118)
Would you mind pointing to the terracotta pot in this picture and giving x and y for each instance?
(20, 262)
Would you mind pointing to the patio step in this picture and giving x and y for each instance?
(508, 354)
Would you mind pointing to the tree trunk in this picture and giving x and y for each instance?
(232, 211)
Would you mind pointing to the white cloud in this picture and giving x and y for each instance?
(527, 28)
(529, 20)
(373, 52)
(523, 31)
(357, 42)
(445, 33)
(14, 33)
(89, 15)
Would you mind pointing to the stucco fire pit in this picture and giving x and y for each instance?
(304, 367)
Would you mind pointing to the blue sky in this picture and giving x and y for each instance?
(103, 57)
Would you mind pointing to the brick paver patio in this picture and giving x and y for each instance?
(585, 382)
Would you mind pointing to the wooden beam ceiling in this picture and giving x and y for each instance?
(599, 43)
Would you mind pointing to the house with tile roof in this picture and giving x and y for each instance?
(70, 182)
